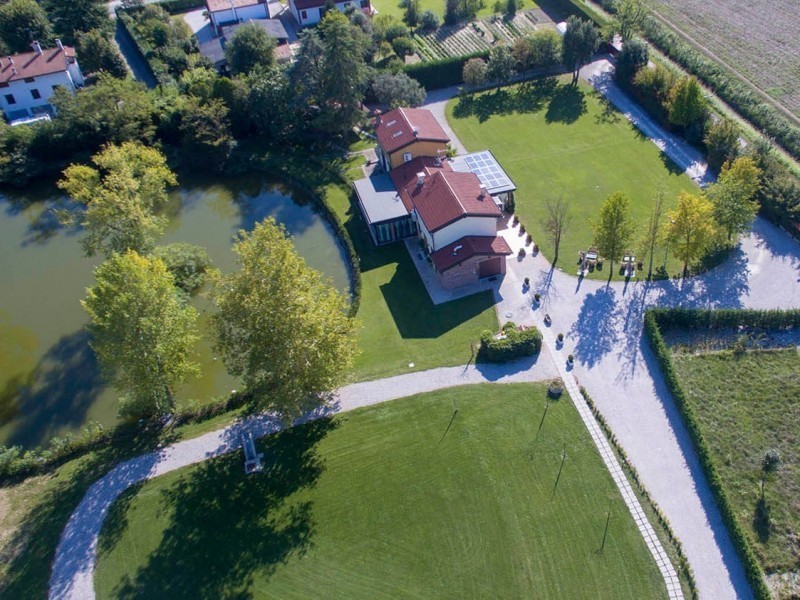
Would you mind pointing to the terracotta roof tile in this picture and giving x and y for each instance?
(31, 64)
(402, 126)
(465, 248)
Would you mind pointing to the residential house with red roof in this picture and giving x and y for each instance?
(407, 133)
(453, 207)
(28, 80)
(310, 12)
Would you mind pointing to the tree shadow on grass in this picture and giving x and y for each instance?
(225, 527)
(529, 97)
(609, 115)
(416, 316)
(566, 106)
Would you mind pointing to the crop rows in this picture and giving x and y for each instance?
(473, 37)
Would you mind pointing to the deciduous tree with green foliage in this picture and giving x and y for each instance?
(98, 53)
(124, 195)
(690, 228)
(271, 106)
(722, 143)
(411, 12)
(188, 264)
(652, 234)
(142, 332)
(733, 195)
(22, 21)
(501, 64)
(687, 105)
(206, 134)
(614, 229)
(579, 44)
(634, 56)
(474, 72)
(398, 89)
(629, 17)
(540, 49)
(248, 48)
(280, 326)
(73, 17)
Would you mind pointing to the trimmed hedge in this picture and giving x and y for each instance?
(515, 344)
(174, 7)
(652, 320)
(443, 73)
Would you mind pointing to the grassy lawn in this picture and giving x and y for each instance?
(399, 324)
(395, 9)
(554, 140)
(746, 405)
(401, 500)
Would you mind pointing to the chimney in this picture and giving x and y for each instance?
(420, 178)
(10, 60)
(13, 70)
(37, 47)
(483, 191)
(415, 129)
(59, 44)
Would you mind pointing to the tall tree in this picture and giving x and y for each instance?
(630, 16)
(614, 229)
(397, 90)
(634, 56)
(344, 78)
(73, 17)
(280, 326)
(206, 133)
(579, 44)
(733, 195)
(501, 64)
(474, 71)
(248, 48)
(687, 104)
(306, 74)
(411, 13)
(541, 48)
(22, 22)
(722, 143)
(653, 232)
(690, 228)
(557, 221)
(124, 195)
(142, 332)
(98, 53)
(271, 104)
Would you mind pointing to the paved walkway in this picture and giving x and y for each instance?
(603, 328)
(75, 559)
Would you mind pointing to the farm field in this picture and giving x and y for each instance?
(554, 139)
(407, 499)
(746, 405)
(758, 38)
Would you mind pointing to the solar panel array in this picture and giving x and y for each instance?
(488, 171)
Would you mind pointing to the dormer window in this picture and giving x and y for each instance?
(392, 122)
(397, 134)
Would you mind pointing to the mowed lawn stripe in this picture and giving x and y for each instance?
(391, 506)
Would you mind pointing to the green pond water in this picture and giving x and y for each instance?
(49, 379)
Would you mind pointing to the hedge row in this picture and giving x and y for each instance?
(437, 74)
(175, 7)
(17, 463)
(683, 564)
(652, 318)
(714, 319)
(515, 344)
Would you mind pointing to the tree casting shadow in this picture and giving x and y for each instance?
(225, 527)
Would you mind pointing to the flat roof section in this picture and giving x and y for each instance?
(488, 170)
(379, 198)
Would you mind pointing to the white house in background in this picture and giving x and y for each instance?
(225, 12)
(310, 12)
(27, 80)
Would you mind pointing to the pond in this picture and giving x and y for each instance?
(49, 379)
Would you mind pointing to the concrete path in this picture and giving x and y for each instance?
(75, 559)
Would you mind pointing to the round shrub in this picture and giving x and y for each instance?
(429, 21)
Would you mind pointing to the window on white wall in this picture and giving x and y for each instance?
(36, 95)
(303, 15)
(10, 99)
(406, 156)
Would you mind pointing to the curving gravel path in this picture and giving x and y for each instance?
(72, 576)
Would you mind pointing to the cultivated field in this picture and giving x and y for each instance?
(757, 38)
(405, 500)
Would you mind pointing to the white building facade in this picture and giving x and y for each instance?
(28, 80)
(310, 12)
(225, 12)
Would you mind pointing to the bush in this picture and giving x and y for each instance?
(654, 318)
(515, 344)
(474, 72)
(429, 21)
(635, 55)
(722, 143)
(174, 7)
(403, 46)
(187, 263)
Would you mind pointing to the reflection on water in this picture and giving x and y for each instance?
(49, 379)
